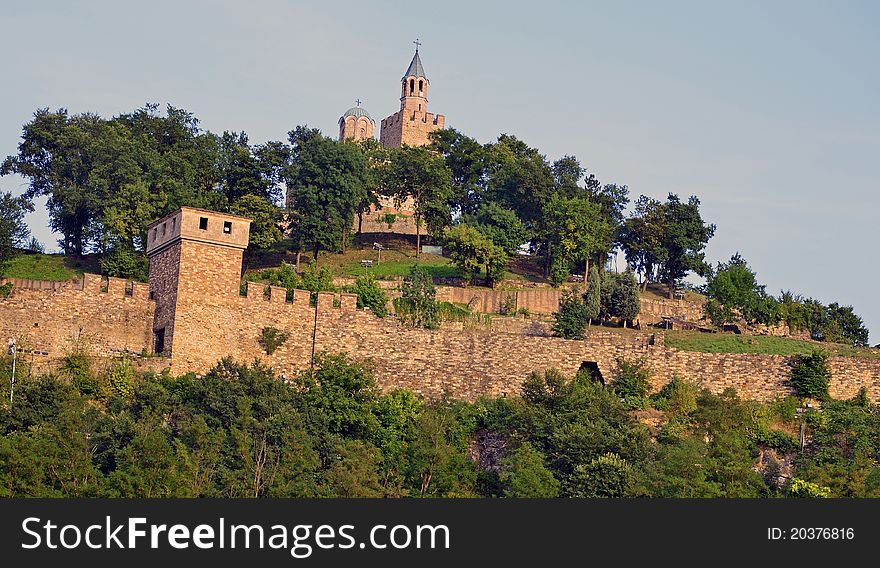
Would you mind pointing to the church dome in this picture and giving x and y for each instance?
(357, 112)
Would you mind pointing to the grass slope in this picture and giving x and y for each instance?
(46, 267)
(760, 344)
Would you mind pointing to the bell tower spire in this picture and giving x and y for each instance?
(412, 123)
(414, 84)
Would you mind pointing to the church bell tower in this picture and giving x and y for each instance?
(412, 123)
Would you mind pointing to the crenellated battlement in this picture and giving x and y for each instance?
(256, 292)
(88, 283)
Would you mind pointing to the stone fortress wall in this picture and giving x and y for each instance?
(104, 317)
(540, 301)
(465, 363)
(192, 314)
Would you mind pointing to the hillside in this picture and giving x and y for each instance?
(55, 267)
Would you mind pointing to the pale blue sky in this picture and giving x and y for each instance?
(768, 111)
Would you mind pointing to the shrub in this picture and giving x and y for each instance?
(608, 475)
(119, 380)
(77, 367)
(449, 311)
(571, 319)
(417, 305)
(271, 339)
(806, 489)
(677, 397)
(632, 382)
(6, 290)
(313, 279)
(810, 376)
(370, 295)
(508, 306)
(778, 440)
(785, 409)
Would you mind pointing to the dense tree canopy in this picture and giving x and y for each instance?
(417, 173)
(326, 183)
(733, 291)
(240, 431)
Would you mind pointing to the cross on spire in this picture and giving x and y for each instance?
(418, 43)
(358, 102)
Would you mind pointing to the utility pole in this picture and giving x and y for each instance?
(14, 352)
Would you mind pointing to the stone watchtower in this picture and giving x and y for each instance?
(412, 123)
(195, 260)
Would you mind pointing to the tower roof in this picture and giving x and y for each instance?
(357, 112)
(415, 68)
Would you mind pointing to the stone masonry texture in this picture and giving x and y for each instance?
(195, 291)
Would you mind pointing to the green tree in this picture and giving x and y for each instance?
(13, 230)
(641, 238)
(501, 225)
(469, 249)
(619, 296)
(466, 160)
(625, 298)
(683, 240)
(810, 376)
(576, 422)
(326, 183)
(612, 199)
(105, 180)
(377, 159)
(519, 178)
(842, 454)
(578, 228)
(264, 217)
(397, 412)
(593, 297)
(418, 300)
(437, 459)
(733, 291)
(570, 322)
(523, 474)
(353, 471)
(843, 325)
(344, 391)
(125, 262)
(419, 174)
(56, 155)
(240, 172)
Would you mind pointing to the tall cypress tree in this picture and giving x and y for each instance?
(593, 297)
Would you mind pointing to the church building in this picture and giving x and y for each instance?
(410, 125)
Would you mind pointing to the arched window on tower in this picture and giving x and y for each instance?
(420, 87)
(412, 86)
